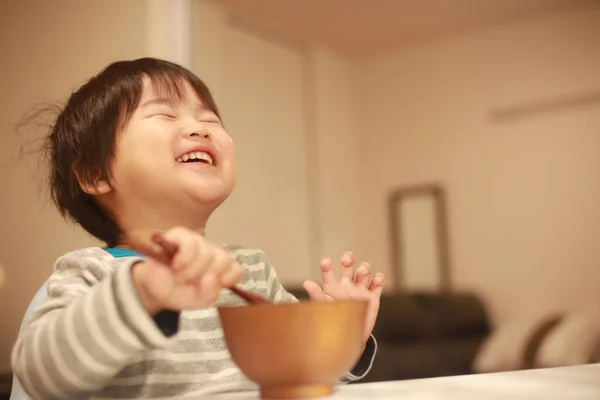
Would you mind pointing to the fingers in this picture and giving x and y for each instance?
(230, 272)
(315, 291)
(187, 247)
(327, 275)
(195, 257)
(376, 285)
(152, 250)
(226, 270)
(216, 262)
(360, 277)
(183, 271)
(363, 275)
(153, 284)
(169, 249)
(192, 296)
(194, 262)
(352, 283)
(209, 287)
(347, 261)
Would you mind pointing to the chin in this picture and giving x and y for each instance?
(211, 195)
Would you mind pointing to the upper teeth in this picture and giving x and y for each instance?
(195, 155)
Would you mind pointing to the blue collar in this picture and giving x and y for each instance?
(118, 252)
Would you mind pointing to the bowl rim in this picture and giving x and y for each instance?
(296, 304)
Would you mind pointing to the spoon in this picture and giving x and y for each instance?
(169, 249)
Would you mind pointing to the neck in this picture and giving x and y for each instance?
(139, 221)
(141, 230)
(142, 235)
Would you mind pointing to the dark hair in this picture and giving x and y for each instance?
(82, 139)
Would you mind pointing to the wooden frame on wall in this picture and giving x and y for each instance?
(419, 239)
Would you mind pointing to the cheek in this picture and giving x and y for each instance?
(227, 146)
(138, 155)
(228, 150)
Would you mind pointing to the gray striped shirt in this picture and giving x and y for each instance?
(93, 339)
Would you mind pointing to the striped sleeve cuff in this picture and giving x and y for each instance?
(364, 364)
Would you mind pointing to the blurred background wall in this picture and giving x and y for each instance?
(331, 108)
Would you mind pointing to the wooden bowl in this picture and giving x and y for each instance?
(295, 350)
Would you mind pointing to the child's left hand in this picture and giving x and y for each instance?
(349, 286)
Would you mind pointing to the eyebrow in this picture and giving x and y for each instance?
(169, 102)
(152, 102)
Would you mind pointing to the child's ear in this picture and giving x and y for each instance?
(98, 187)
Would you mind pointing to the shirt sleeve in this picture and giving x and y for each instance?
(89, 328)
(277, 293)
(364, 364)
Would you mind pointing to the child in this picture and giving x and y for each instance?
(140, 148)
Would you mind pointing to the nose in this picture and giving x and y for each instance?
(198, 131)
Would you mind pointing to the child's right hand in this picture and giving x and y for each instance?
(193, 279)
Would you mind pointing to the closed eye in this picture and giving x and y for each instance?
(165, 115)
(210, 118)
(163, 111)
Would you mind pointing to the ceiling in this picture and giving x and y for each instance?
(359, 27)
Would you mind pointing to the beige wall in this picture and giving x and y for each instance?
(334, 99)
(48, 48)
(288, 107)
(523, 194)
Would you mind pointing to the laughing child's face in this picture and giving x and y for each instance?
(173, 164)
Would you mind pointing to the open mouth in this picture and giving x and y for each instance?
(196, 157)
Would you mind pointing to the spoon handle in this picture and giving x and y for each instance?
(248, 295)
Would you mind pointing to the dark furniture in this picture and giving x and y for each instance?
(423, 335)
(5, 385)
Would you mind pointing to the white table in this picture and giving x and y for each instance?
(579, 382)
